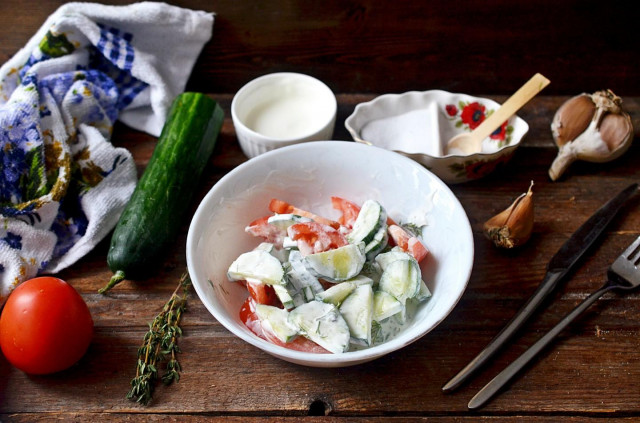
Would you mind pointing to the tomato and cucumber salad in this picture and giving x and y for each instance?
(321, 285)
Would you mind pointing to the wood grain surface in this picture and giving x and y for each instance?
(362, 49)
(375, 46)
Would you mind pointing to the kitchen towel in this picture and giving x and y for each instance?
(63, 185)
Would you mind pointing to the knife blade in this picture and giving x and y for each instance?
(563, 261)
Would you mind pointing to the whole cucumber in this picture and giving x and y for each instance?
(157, 207)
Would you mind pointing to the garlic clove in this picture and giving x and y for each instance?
(572, 118)
(513, 226)
(607, 135)
(616, 130)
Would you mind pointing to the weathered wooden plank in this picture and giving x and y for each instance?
(223, 375)
(191, 418)
(383, 46)
(359, 47)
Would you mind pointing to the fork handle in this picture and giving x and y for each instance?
(547, 286)
(491, 388)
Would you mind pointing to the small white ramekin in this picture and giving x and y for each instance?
(314, 97)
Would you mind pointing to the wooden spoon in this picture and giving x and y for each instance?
(471, 142)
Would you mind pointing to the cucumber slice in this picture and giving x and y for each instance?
(283, 221)
(281, 254)
(285, 297)
(371, 270)
(401, 278)
(308, 294)
(289, 243)
(385, 305)
(300, 276)
(371, 216)
(357, 310)
(337, 293)
(277, 321)
(265, 246)
(323, 324)
(385, 259)
(361, 280)
(377, 243)
(338, 264)
(423, 292)
(257, 264)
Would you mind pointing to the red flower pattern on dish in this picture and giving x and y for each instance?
(500, 133)
(473, 114)
(451, 109)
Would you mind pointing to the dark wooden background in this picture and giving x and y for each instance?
(362, 49)
(373, 46)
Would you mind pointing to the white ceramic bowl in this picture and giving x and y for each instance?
(281, 109)
(419, 124)
(307, 175)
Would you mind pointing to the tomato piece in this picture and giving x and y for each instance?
(263, 229)
(399, 236)
(314, 237)
(407, 242)
(325, 283)
(417, 249)
(279, 206)
(262, 293)
(249, 317)
(282, 207)
(45, 326)
(349, 211)
(251, 320)
(300, 343)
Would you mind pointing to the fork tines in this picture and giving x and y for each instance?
(632, 253)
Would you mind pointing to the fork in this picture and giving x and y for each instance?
(623, 274)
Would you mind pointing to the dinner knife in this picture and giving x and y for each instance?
(559, 266)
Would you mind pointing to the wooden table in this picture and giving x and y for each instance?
(591, 371)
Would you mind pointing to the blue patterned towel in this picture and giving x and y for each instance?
(63, 184)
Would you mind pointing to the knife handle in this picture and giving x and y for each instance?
(549, 283)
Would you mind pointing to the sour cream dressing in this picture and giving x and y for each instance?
(290, 108)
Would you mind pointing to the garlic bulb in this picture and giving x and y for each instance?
(513, 226)
(590, 127)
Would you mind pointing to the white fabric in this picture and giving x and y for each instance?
(63, 185)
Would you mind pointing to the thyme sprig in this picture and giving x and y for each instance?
(161, 345)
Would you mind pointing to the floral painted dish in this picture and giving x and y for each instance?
(419, 124)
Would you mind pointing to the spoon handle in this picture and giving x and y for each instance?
(521, 97)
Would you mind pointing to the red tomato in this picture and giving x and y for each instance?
(325, 283)
(261, 293)
(250, 319)
(45, 326)
(350, 212)
(407, 242)
(313, 237)
(348, 209)
(282, 207)
(300, 343)
(417, 249)
(263, 229)
(279, 206)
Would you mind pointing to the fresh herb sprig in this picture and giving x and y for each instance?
(161, 345)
